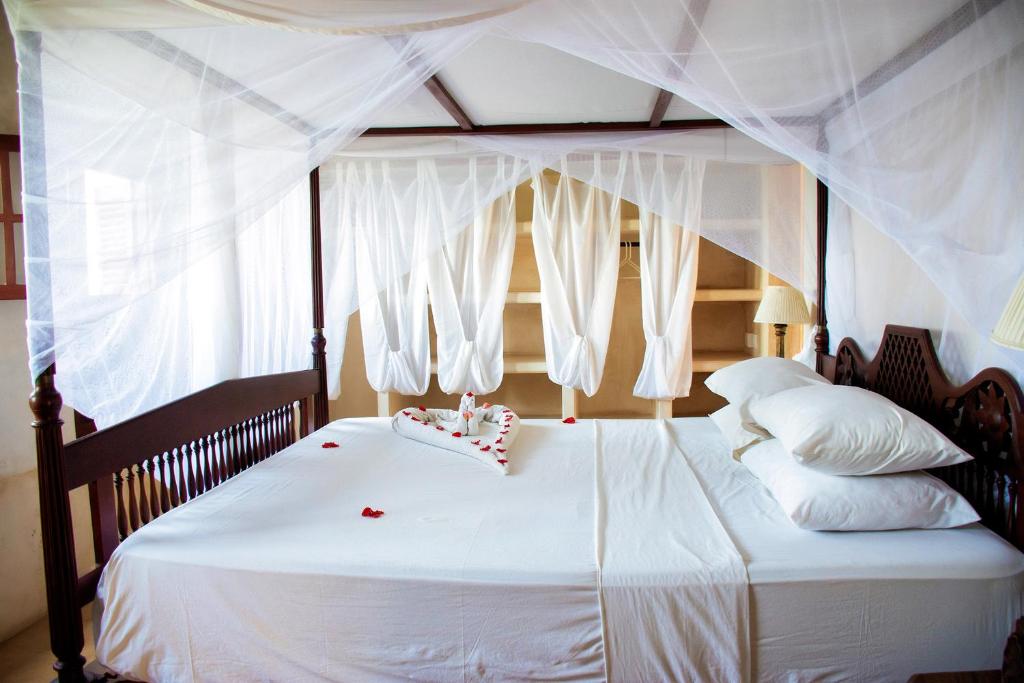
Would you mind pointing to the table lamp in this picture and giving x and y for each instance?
(782, 306)
(1009, 330)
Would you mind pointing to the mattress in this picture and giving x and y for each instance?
(577, 566)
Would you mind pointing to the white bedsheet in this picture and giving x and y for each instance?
(275, 575)
(673, 585)
(858, 606)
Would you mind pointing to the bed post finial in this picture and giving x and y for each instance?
(66, 635)
(319, 341)
(821, 329)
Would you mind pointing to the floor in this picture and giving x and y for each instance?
(27, 657)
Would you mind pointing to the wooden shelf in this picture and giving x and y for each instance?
(709, 361)
(515, 364)
(523, 298)
(708, 294)
(703, 294)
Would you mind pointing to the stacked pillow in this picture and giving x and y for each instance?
(834, 457)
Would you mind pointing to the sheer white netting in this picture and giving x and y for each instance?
(155, 134)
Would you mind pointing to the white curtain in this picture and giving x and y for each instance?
(668, 274)
(576, 242)
(383, 219)
(468, 280)
(441, 221)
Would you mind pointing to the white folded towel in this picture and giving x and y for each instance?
(495, 428)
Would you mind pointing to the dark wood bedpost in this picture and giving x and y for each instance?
(61, 570)
(66, 635)
(821, 333)
(319, 341)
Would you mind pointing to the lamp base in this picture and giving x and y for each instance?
(780, 340)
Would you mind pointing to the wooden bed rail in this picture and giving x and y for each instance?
(198, 415)
(144, 467)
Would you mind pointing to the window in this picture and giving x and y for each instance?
(12, 244)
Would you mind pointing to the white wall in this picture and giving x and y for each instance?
(871, 282)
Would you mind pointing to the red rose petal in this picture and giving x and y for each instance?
(405, 412)
(370, 512)
(569, 420)
(485, 448)
(502, 461)
(328, 444)
(504, 432)
(501, 450)
(423, 409)
(456, 434)
(500, 439)
(475, 443)
(439, 428)
(469, 394)
(414, 418)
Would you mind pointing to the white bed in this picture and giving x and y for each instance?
(616, 550)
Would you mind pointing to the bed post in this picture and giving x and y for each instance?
(66, 635)
(319, 342)
(58, 540)
(821, 331)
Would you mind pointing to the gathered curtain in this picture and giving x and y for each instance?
(468, 281)
(576, 229)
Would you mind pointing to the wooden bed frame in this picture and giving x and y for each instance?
(145, 466)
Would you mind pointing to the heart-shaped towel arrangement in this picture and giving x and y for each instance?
(485, 433)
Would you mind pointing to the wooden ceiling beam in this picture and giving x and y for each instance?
(687, 39)
(936, 37)
(450, 105)
(541, 128)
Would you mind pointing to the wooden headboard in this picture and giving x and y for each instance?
(984, 416)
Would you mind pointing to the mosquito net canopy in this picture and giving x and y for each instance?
(166, 145)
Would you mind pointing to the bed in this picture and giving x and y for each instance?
(618, 550)
(559, 586)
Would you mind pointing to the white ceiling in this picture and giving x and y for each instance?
(497, 80)
(503, 81)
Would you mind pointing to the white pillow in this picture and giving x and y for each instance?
(823, 502)
(728, 422)
(847, 430)
(756, 378)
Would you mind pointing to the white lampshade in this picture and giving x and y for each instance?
(782, 305)
(1010, 328)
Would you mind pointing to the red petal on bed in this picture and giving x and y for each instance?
(328, 444)
(456, 434)
(504, 432)
(569, 420)
(475, 443)
(502, 461)
(439, 428)
(507, 410)
(414, 418)
(485, 448)
(406, 412)
(501, 450)
(499, 439)
(370, 512)
(423, 409)
(469, 394)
